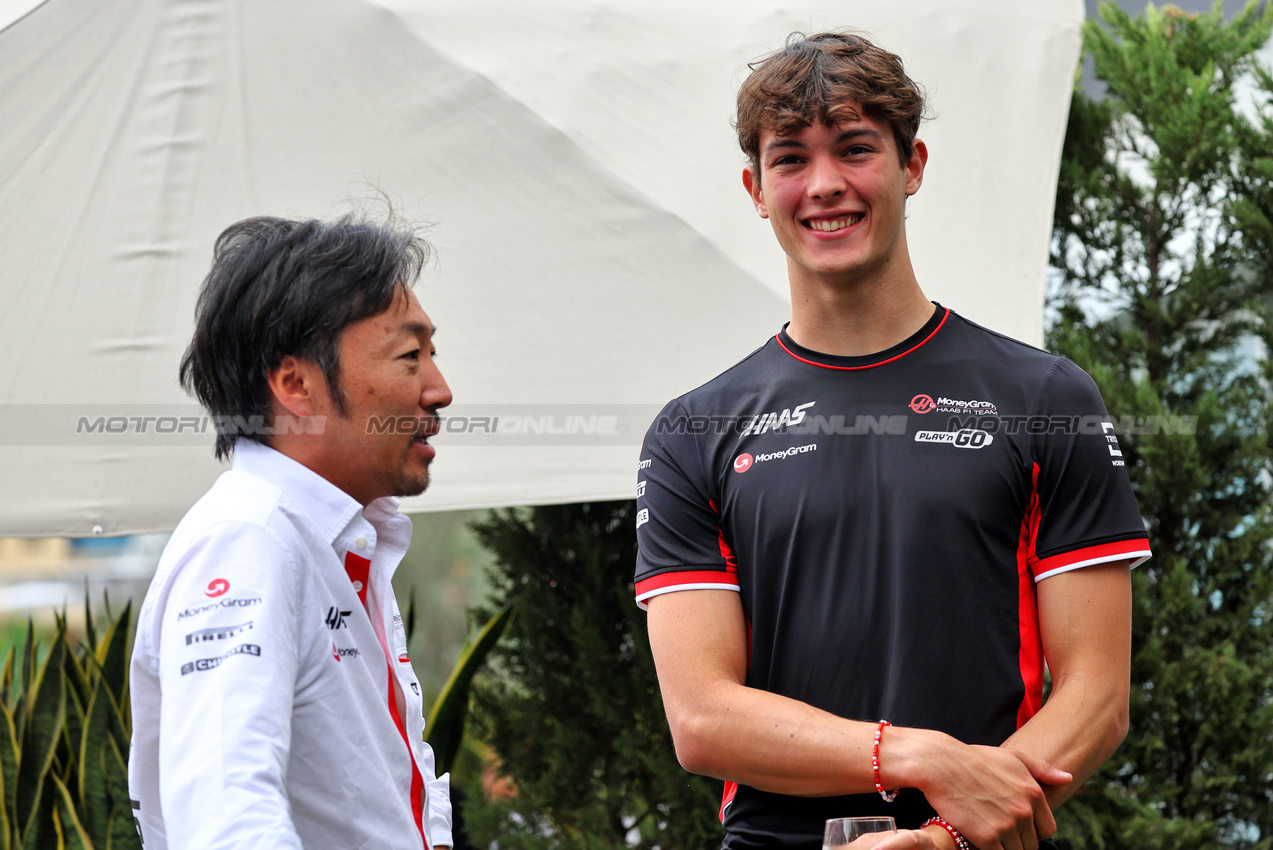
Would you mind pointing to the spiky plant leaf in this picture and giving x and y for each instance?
(94, 794)
(40, 833)
(409, 623)
(116, 770)
(90, 633)
(9, 764)
(113, 652)
(76, 674)
(72, 834)
(68, 751)
(445, 727)
(5, 828)
(28, 668)
(122, 834)
(7, 693)
(46, 709)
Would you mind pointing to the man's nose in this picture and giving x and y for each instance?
(436, 392)
(826, 178)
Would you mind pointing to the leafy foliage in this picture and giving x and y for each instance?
(1163, 262)
(572, 709)
(444, 729)
(64, 731)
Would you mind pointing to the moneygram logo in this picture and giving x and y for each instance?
(218, 587)
(224, 603)
(922, 403)
(746, 461)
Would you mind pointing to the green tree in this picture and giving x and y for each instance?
(572, 708)
(1162, 272)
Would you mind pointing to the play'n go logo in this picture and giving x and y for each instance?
(743, 462)
(218, 587)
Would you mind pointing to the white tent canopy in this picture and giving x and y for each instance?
(596, 254)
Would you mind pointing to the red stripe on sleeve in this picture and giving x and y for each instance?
(731, 788)
(663, 581)
(1135, 550)
(1030, 651)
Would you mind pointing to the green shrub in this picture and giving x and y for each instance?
(64, 741)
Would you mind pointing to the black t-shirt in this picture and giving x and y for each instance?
(885, 519)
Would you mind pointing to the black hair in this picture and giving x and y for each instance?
(280, 288)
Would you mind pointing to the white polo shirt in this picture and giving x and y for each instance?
(270, 709)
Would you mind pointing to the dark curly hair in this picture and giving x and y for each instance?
(827, 77)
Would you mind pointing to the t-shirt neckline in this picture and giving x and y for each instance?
(865, 361)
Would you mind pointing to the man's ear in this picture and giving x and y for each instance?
(298, 386)
(915, 167)
(751, 182)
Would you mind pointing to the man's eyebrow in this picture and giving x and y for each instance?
(791, 142)
(781, 142)
(414, 328)
(855, 132)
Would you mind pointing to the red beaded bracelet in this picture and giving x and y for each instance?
(960, 841)
(889, 796)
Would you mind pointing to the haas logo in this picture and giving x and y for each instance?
(922, 403)
(218, 587)
(743, 462)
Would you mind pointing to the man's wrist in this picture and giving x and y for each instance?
(909, 757)
(941, 838)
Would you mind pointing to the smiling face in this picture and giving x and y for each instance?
(836, 198)
(392, 391)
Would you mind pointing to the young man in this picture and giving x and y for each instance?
(273, 700)
(864, 522)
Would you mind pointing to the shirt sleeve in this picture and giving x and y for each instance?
(680, 545)
(227, 669)
(439, 814)
(1084, 511)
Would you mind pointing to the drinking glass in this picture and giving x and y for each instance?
(855, 832)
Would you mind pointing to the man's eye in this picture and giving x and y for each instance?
(414, 354)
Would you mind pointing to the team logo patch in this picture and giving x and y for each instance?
(965, 438)
(202, 664)
(743, 462)
(218, 587)
(922, 403)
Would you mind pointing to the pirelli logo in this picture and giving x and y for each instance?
(212, 663)
(218, 633)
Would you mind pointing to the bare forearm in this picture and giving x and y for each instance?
(1077, 730)
(723, 728)
(781, 745)
(1085, 620)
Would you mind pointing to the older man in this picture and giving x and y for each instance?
(274, 704)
